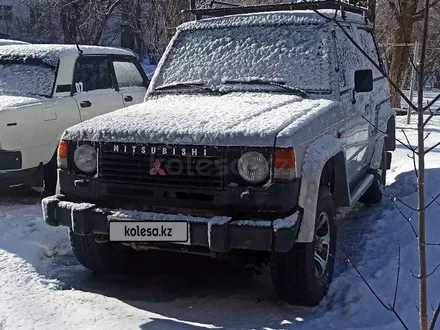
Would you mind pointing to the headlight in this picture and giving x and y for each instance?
(253, 167)
(85, 158)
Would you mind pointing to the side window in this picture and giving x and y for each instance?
(127, 74)
(366, 41)
(349, 58)
(92, 74)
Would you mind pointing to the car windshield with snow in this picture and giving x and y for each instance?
(242, 58)
(254, 137)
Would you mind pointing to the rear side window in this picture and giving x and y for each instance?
(92, 74)
(367, 43)
(127, 74)
(348, 56)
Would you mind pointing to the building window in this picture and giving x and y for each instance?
(5, 13)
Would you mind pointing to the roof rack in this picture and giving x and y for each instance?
(214, 8)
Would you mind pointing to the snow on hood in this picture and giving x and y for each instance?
(236, 119)
(12, 101)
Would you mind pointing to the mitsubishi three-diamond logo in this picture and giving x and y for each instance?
(156, 169)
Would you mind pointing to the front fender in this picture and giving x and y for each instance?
(315, 158)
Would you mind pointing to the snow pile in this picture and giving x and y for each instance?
(299, 55)
(233, 119)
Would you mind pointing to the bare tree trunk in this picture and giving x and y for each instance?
(372, 9)
(400, 55)
(423, 299)
(111, 6)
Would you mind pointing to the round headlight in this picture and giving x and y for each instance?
(253, 167)
(85, 158)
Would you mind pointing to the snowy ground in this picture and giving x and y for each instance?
(42, 286)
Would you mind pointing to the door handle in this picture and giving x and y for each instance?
(128, 98)
(86, 104)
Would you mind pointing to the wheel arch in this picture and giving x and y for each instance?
(324, 161)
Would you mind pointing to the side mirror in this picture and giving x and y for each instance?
(363, 81)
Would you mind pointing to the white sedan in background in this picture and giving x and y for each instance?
(45, 89)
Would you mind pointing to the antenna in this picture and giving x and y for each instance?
(77, 47)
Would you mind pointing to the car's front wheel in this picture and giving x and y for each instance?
(302, 275)
(101, 258)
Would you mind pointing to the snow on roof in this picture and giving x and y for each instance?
(50, 53)
(297, 17)
(5, 42)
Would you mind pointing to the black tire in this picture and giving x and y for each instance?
(50, 176)
(294, 273)
(373, 195)
(101, 258)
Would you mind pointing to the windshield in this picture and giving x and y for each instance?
(297, 55)
(26, 79)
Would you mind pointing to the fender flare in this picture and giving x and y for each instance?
(315, 158)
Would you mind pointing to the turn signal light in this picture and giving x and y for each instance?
(62, 154)
(285, 166)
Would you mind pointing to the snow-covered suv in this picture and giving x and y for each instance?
(258, 131)
(45, 89)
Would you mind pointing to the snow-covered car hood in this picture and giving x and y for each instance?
(14, 101)
(235, 119)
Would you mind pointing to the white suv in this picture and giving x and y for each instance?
(45, 89)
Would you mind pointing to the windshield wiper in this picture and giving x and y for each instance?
(189, 84)
(281, 84)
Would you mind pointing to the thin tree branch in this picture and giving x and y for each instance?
(435, 317)
(421, 13)
(406, 218)
(396, 288)
(420, 277)
(433, 147)
(385, 133)
(433, 201)
(389, 307)
(413, 157)
(406, 204)
(430, 104)
(433, 113)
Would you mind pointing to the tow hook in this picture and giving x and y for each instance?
(81, 183)
(245, 195)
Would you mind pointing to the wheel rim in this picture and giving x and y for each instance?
(322, 244)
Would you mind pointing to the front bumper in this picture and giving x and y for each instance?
(219, 236)
(32, 177)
